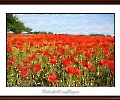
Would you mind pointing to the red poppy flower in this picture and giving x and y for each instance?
(25, 61)
(66, 61)
(36, 68)
(34, 56)
(76, 71)
(79, 49)
(56, 53)
(26, 65)
(111, 65)
(31, 44)
(13, 60)
(9, 64)
(24, 73)
(30, 58)
(106, 51)
(87, 55)
(53, 60)
(9, 49)
(47, 53)
(90, 66)
(69, 69)
(100, 63)
(52, 78)
(111, 57)
(62, 52)
(103, 62)
(19, 67)
(84, 63)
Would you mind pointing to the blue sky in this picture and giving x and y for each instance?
(70, 23)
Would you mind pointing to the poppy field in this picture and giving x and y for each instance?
(48, 60)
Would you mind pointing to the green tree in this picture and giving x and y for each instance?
(16, 26)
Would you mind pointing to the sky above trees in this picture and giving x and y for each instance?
(69, 23)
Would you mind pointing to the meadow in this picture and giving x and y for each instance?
(48, 60)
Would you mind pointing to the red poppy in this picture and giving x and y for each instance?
(90, 66)
(62, 52)
(13, 60)
(34, 56)
(76, 71)
(66, 61)
(26, 65)
(47, 53)
(24, 73)
(69, 69)
(53, 60)
(106, 50)
(111, 57)
(103, 62)
(52, 78)
(111, 65)
(9, 49)
(79, 49)
(9, 64)
(100, 63)
(31, 43)
(36, 68)
(87, 55)
(25, 61)
(19, 67)
(84, 63)
(56, 53)
(30, 58)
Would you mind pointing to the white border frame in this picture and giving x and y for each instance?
(37, 91)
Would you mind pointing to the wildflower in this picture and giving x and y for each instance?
(87, 55)
(18, 67)
(12, 60)
(69, 69)
(26, 65)
(84, 63)
(36, 68)
(52, 78)
(9, 64)
(111, 65)
(53, 60)
(66, 61)
(24, 73)
(76, 71)
(90, 66)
